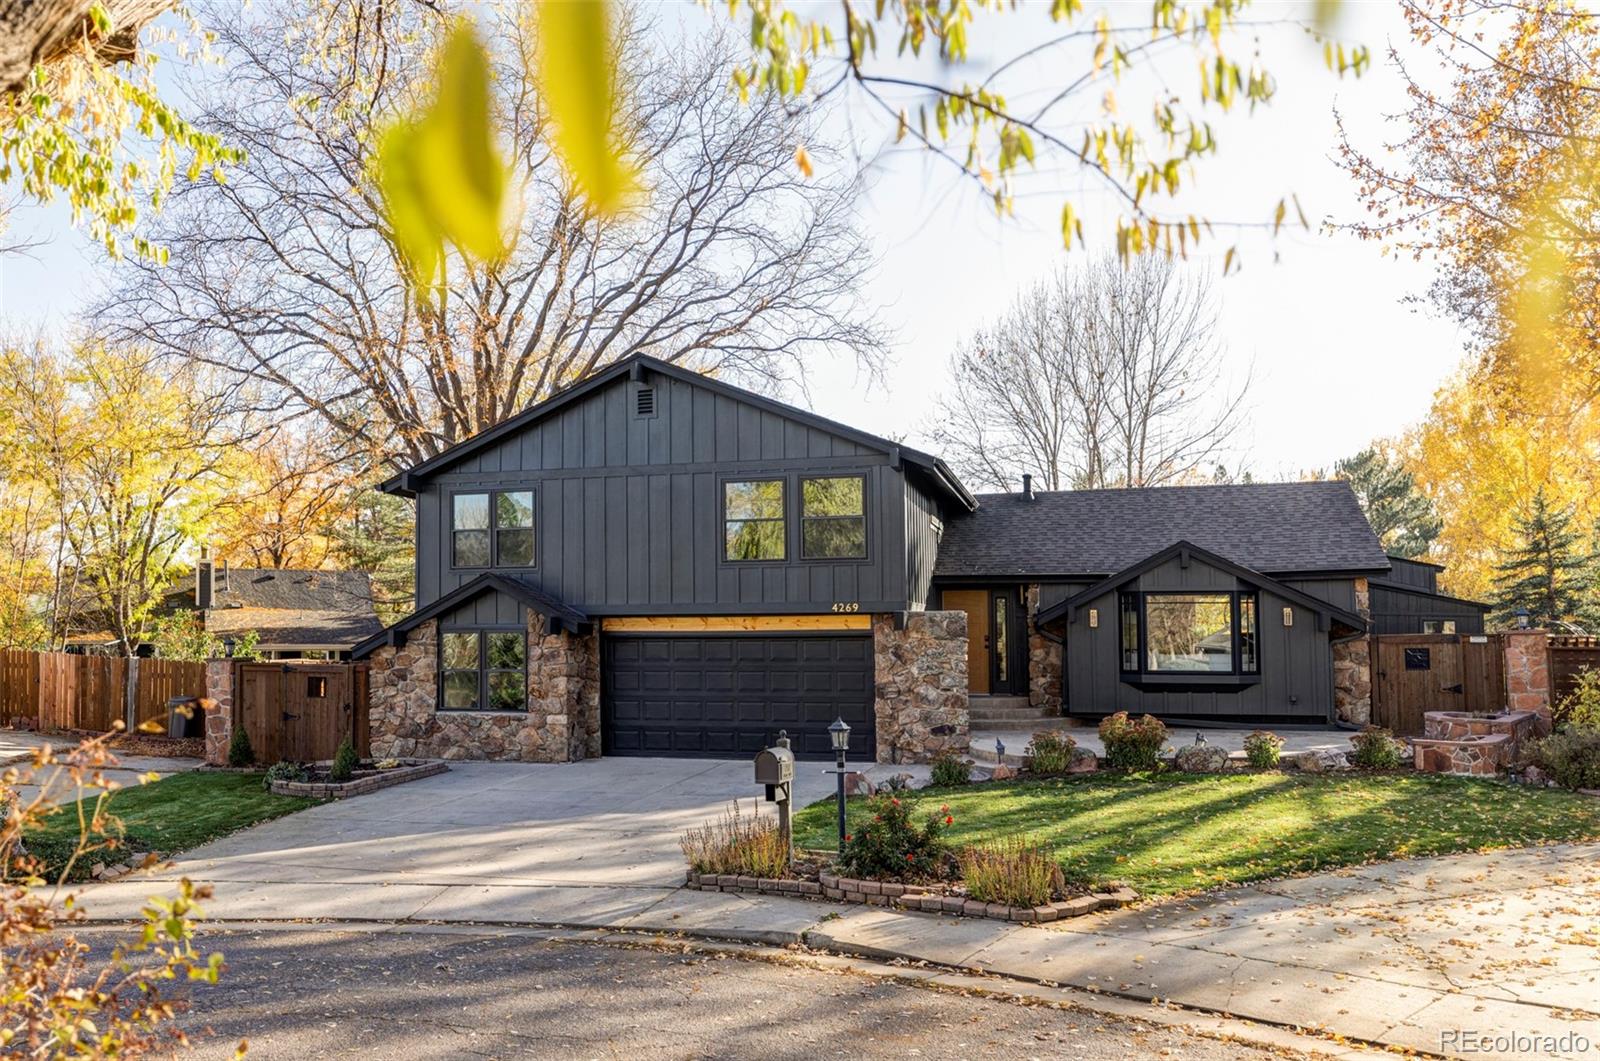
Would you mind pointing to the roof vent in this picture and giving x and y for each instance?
(1027, 487)
(644, 402)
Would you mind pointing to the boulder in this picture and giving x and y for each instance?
(1002, 772)
(1321, 762)
(856, 784)
(1083, 761)
(1201, 759)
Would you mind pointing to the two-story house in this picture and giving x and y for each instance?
(655, 562)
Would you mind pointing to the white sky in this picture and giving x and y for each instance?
(1337, 356)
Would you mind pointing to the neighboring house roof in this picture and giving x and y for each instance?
(943, 479)
(1067, 609)
(1271, 528)
(557, 614)
(287, 607)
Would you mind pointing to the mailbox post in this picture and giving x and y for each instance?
(775, 770)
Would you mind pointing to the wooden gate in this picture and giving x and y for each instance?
(1416, 673)
(1569, 654)
(301, 711)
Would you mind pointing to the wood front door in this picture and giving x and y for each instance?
(979, 606)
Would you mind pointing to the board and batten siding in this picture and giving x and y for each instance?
(922, 544)
(628, 510)
(1296, 681)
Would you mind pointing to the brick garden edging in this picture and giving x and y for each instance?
(359, 786)
(910, 896)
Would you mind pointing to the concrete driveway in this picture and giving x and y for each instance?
(572, 843)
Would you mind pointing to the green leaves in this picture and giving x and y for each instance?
(441, 177)
(576, 71)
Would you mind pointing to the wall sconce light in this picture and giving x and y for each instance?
(1288, 617)
(1094, 618)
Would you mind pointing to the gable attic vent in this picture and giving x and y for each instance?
(644, 402)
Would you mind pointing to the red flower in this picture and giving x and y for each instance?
(896, 802)
(848, 838)
(910, 857)
(945, 809)
(949, 820)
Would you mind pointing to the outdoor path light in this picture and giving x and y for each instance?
(839, 733)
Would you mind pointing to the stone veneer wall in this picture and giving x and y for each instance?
(1352, 669)
(1045, 688)
(562, 722)
(1528, 671)
(921, 677)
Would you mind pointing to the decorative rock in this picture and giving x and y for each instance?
(1352, 668)
(1321, 762)
(1534, 775)
(1201, 759)
(1083, 761)
(1001, 772)
(856, 784)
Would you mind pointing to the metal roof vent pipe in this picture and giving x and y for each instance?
(1027, 487)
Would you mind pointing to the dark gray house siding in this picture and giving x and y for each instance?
(1296, 661)
(924, 527)
(1407, 600)
(628, 509)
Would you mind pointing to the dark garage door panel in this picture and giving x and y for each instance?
(726, 697)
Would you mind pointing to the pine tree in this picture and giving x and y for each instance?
(379, 541)
(1551, 571)
(1400, 513)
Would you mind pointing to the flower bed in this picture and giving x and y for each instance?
(924, 898)
(365, 780)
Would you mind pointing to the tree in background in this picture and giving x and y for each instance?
(1551, 571)
(183, 635)
(378, 537)
(1103, 375)
(1401, 515)
(290, 495)
(290, 274)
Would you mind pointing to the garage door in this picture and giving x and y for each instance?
(726, 697)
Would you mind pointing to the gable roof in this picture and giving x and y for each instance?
(1270, 528)
(1187, 550)
(286, 606)
(634, 366)
(557, 613)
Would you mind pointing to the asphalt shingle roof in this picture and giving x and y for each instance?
(1274, 528)
(287, 606)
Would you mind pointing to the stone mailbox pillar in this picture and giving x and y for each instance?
(218, 706)
(1528, 671)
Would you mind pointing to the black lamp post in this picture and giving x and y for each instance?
(839, 733)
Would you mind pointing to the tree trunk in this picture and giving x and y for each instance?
(35, 32)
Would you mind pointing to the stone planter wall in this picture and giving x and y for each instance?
(562, 722)
(921, 677)
(375, 780)
(910, 896)
(1045, 689)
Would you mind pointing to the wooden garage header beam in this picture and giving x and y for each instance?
(732, 624)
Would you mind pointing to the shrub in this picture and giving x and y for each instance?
(1376, 749)
(1132, 744)
(1262, 749)
(345, 762)
(950, 769)
(285, 771)
(240, 753)
(1571, 756)
(1050, 753)
(1014, 872)
(889, 846)
(752, 847)
(1581, 707)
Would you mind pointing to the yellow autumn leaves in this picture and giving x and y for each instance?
(442, 178)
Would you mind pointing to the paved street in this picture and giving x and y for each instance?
(310, 994)
(1392, 953)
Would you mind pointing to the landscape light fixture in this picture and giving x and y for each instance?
(1522, 619)
(839, 734)
(227, 647)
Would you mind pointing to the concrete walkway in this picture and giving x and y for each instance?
(1397, 954)
(1230, 739)
(17, 749)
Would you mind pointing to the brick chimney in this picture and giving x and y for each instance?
(205, 586)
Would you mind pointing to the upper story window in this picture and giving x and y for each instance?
(833, 519)
(475, 537)
(753, 522)
(1189, 633)
(483, 670)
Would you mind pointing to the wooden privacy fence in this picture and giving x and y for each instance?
(61, 690)
(1416, 673)
(1569, 654)
(301, 711)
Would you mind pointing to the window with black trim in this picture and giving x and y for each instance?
(483, 670)
(1177, 633)
(753, 524)
(833, 518)
(497, 524)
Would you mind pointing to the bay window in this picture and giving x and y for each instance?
(1179, 633)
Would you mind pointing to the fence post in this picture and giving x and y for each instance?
(130, 696)
(1528, 671)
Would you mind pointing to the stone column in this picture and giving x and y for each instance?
(218, 706)
(1528, 671)
(921, 677)
(1045, 661)
(1352, 668)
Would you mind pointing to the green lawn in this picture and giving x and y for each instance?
(1184, 832)
(174, 814)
